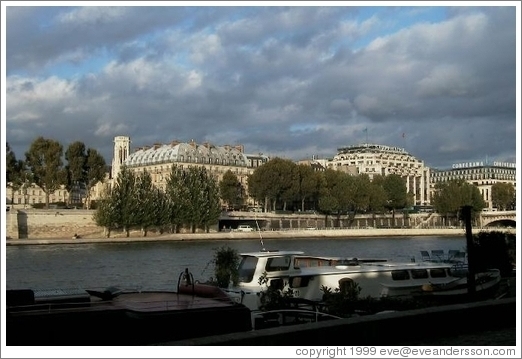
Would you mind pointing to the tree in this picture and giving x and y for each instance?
(44, 160)
(231, 190)
(203, 198)
(503, 195)
(95, 169)
(306, 183)
(272, 182)
(124, 201)
(106, 215)
(360, 195)
(330, 201)
(144, 196)
(76, 158)
(177, 197)
(16, 172)
(396, 194)
(451, 196)
(377, 200)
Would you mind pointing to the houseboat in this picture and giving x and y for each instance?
(308, 276)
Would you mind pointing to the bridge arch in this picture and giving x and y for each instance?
(498, 219)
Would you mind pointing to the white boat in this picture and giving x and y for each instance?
(306, 276)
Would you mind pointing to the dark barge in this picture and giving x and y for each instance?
(116, 317)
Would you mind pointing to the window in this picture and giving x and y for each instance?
(347, 285)
(438, 273)
(299, 282)
(400, 275)
(247, 268)
(419, 273)
(277, 264)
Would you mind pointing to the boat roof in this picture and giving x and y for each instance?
(371, 267)
(271, 253)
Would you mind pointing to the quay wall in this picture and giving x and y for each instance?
(427, 326)
(42, 226)
(24, 224)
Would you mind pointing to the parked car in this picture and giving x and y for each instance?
(244, 228)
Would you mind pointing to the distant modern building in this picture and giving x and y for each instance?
(479, 173)
(372, 159)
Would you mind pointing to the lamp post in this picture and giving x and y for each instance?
(466, 215)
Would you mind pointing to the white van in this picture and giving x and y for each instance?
(244, 228)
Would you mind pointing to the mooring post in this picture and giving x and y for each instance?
(466, 215)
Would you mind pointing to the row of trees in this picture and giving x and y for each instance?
(283, 183)
(278, 184)
(190, 199)
(44, 166)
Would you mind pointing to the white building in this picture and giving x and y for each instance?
(480, 174)
(372, 159)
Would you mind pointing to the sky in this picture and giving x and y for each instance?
(287, 81)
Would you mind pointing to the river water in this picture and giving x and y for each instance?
(157, 265)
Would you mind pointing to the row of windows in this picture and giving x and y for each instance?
(475, 177)
(33, 200)
(418, 274)
(226, 162)
(35, 192)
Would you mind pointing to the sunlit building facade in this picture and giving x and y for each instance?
(481, 174)
(158, 160)
(372, 159)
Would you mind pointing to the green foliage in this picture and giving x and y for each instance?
(106, 215)
(272, 182)
(144, 195)
(396, 192)
(503, 195)
(231, 190)
(274, 296)
(341, 301)
(124, 200)
(346, 302)
(44, 159)
(17, 174)
(451, 196)
(226, 261)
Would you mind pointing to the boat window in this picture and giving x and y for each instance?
(438, 273)
(347, 285)
(419, 273)
(277, 264)
(299, 282)
(247, 268)
(311, 262)
(400, 275)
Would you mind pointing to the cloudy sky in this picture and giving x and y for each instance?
(286, 81)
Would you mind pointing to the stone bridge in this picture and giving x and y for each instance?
(498, 219)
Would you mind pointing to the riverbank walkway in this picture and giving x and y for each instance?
(135, 236)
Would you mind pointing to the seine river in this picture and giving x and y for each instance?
(157, 265)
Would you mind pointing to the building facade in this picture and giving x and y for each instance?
(372, 159)
(158, 160)
(480, 174)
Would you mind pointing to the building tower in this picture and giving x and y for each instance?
(121, 152)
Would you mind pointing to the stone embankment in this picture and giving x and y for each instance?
(59, 227)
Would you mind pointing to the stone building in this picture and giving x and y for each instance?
(480, 174)
(158, 160)
(372, 159)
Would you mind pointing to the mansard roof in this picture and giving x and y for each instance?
(188, 152)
